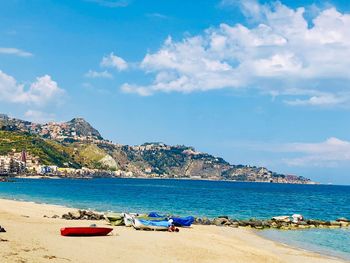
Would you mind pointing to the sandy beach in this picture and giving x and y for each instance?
(32, 238)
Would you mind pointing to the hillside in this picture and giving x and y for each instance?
(49, 152)
(77, 144)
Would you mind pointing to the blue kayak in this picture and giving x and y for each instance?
(177, 221)
(183, 221)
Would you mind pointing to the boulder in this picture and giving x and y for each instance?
(2, 230)
(226, 217)
(344, 224)
(66, 216)
(74, 214)
(234, 224)
(282, 219)
(256, 224)
(343, 219)
(335, 224)
(221, 222)
(202, 221)
(243, 223)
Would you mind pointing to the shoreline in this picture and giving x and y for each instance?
(222, 243)
(160, 178)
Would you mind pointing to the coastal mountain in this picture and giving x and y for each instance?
(76, 144)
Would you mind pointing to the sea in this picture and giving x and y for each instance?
(203, 199)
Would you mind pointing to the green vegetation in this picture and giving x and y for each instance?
(49, 152)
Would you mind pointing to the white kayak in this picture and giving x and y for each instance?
(151, 225)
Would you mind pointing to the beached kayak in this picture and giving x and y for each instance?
(85, 231)
(151, 225)
(115, 219)
(177, 221)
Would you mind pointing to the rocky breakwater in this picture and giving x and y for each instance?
(83, 215)
(278, 222)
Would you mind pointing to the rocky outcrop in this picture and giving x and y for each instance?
(83, 215)
(279, 222)
(81, 145)
(83, 128)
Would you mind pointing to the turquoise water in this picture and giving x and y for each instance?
(202, 198)
(333, 242)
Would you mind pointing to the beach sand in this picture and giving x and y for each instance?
(33, 238)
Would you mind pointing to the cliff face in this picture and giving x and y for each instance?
(80, 144)
(83, 128)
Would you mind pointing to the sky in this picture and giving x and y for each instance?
(262, 83)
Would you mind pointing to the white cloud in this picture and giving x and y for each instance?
(15, 51)
(279, 53)
(39, 116)
(157, 15)
(39, 93)
(113, 61)
(331, 152)
(95, 74)
(111, 3)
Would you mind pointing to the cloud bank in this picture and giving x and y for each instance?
(40, 92)
(15, 51)
(113, 61)
(282, 54)
(331, 152)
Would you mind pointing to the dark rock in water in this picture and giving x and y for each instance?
(343, 219)
(223, 217)
(315, 222)
(2, 230)
(302, 223)
(335, 223)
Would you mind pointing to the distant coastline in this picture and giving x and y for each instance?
(76, 149)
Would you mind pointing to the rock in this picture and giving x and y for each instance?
(266, 223)
(343, 219)
(55, 216)
(282, 219)
(234, 224)
(226, 217)
(66, 216)
(206, 221)
(202, 221)
(74, 215)
(344, 224)
(256, 224)
(274, 225)
(243, 223)
(221, 222)
(302, 223)
(2, 230)
(335, 224)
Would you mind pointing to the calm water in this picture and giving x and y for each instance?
(202, 198)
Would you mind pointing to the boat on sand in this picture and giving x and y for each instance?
(115, 219)
(151, 225)
(85, 231)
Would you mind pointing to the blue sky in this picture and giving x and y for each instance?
(259, 83)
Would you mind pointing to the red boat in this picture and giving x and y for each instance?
(85, 231)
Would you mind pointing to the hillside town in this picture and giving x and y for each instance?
(75, 149)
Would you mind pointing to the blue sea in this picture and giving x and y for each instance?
(204, 198)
